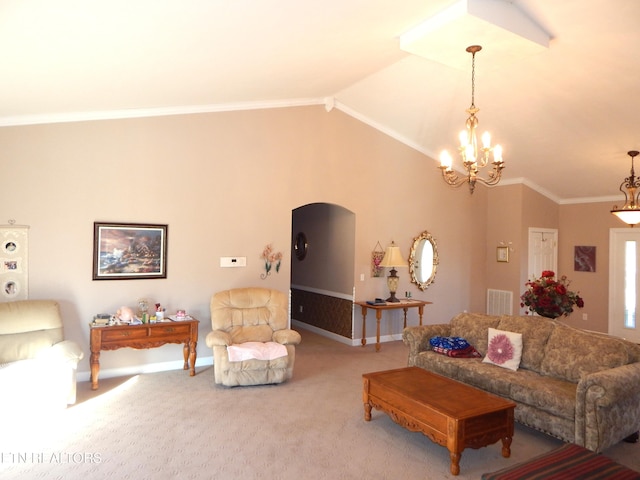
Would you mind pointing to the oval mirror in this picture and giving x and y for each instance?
(423, 260)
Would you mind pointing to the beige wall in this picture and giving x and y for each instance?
(588, 224)
(512, 210)
(226, 184)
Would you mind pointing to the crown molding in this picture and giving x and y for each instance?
(21, 120)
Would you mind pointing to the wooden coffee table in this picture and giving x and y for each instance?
(450, 413)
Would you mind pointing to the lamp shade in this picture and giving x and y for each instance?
(393, 257)
(630, 217)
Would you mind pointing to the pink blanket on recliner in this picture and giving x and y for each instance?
(256, 350)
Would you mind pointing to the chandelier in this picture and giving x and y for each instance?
(474, 156)
(630, 212)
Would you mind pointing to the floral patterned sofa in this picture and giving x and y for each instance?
(580, 386)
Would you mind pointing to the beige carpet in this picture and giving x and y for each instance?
(169, 425)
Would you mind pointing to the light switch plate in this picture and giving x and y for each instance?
(233, 261)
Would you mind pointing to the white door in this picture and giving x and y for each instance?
(624, 266)
(543, 251)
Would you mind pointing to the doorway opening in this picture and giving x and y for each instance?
(322, 269)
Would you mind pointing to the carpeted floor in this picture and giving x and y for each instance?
(169, 425)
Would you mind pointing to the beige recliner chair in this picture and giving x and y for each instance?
(246, 315)
(37, 366)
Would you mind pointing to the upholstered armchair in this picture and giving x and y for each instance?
(37, 365)
(251, 317)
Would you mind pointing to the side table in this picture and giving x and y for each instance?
(146, 335)
(402, 304)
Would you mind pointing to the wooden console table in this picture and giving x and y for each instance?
(147, 335)
(402, 304)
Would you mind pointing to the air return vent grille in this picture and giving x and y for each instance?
(499, 302)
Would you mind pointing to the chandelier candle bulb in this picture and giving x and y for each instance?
(464, 138)
(497, 154)
(486, 140)
(446, 161)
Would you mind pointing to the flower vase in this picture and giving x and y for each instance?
(543, 313)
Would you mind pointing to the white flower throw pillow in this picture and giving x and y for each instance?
(504, 349)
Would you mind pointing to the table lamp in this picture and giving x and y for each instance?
(393, 258)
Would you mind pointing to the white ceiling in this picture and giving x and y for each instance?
(565, 115)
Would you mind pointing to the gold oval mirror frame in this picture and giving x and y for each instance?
(423, 260)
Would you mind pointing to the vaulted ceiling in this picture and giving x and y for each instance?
(565, 113)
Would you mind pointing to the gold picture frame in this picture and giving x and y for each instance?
(502, 254)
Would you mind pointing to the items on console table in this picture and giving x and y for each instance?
(142, 336)
(404, 304)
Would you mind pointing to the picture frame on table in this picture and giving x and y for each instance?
(129, 251)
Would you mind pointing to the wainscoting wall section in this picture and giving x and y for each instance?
(324, 310)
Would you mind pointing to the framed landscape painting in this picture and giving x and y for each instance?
(127, 251)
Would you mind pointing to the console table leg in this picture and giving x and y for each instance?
(192, 357)
(364, 326)
(378, 318)
(185, 353)
(95, 369)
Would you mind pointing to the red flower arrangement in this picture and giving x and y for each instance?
(549, 297)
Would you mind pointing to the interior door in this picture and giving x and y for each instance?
(543, 251)
(624, 267)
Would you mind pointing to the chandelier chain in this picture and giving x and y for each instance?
(473, 80)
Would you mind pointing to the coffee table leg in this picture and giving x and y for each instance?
(455, 463)
(506, 447)
(367, 411)
(365, 399)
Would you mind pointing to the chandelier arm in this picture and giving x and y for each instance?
(494, 178)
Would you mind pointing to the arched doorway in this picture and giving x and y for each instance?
(322, 267)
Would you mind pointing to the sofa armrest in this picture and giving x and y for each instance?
(64, 351)
(218, 338)
(417, 338)
(287, 337)
(608, 406)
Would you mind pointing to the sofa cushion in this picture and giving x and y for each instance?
(487, 377)
(552, 395)
(504, 349)
(473, 327)
(572, 354)
(535, 333)
(440, 364)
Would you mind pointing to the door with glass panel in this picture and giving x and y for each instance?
(624, 283)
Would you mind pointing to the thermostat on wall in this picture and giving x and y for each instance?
(233, 261)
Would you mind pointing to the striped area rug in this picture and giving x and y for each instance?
(569, 462)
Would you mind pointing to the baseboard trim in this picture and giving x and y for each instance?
(355, 342)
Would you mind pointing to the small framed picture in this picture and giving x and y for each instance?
(502, 254)
(126, 251)
(584, 259)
